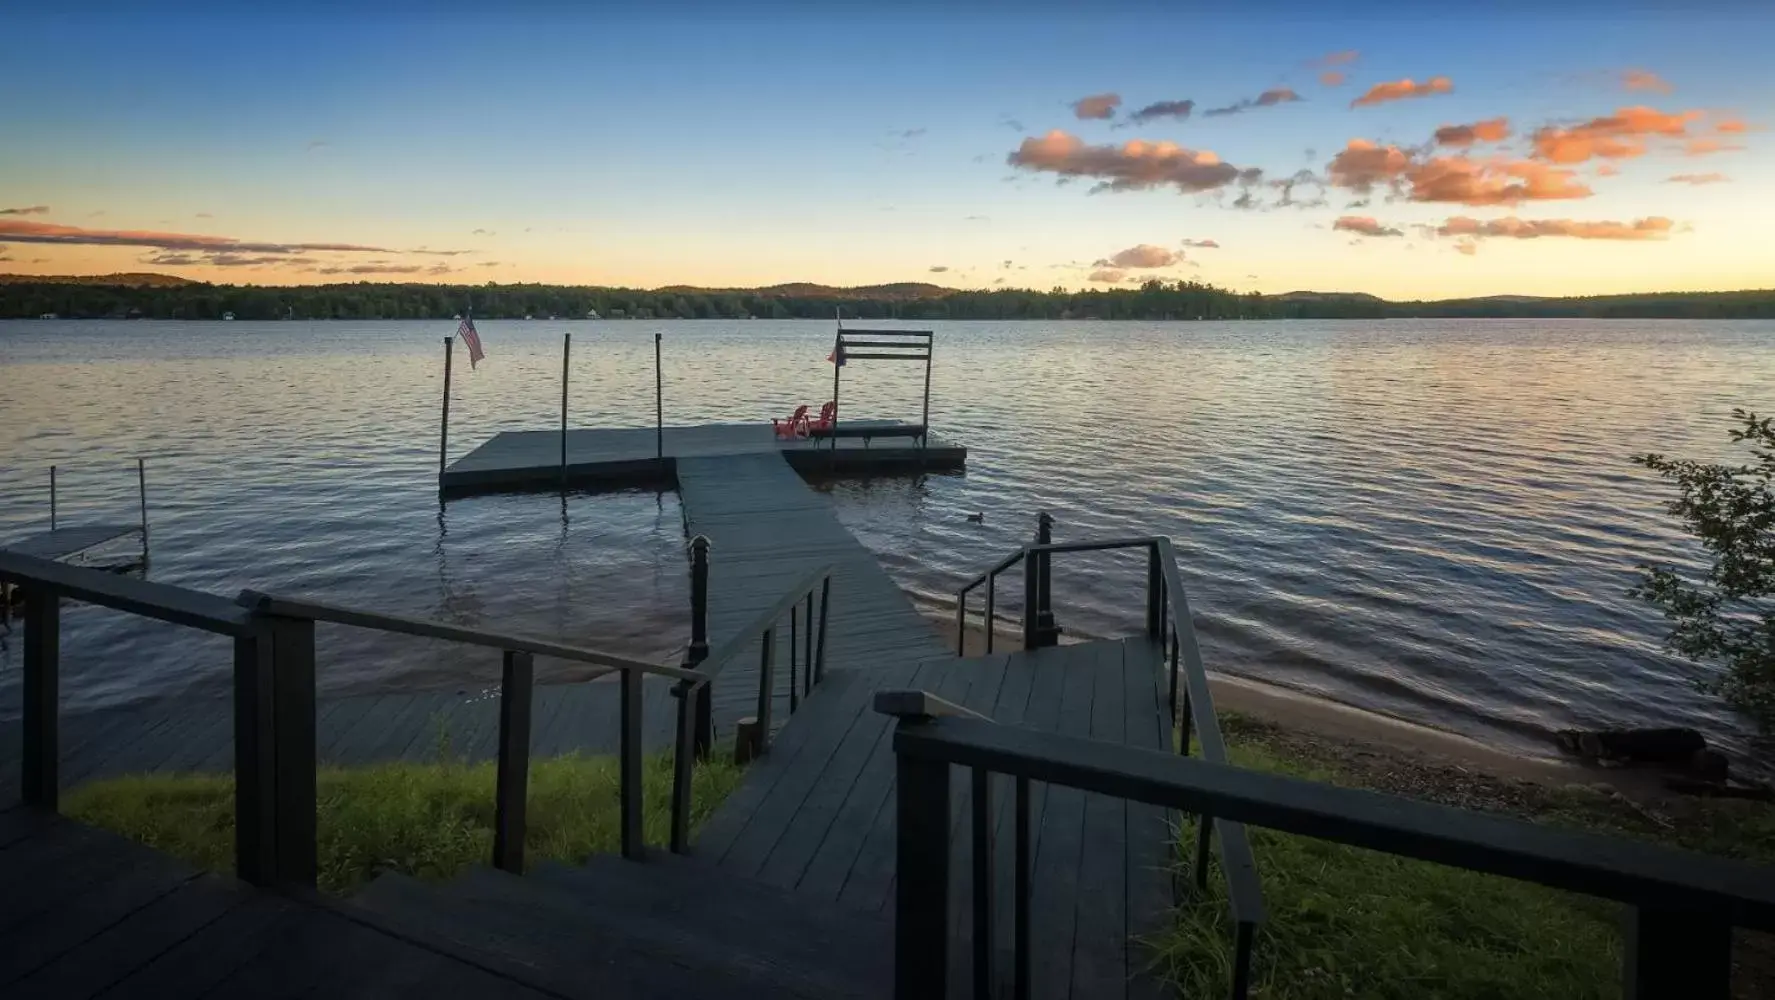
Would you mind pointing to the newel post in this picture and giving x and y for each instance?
(921, 858)
(1047, 633)
(41, 782)
(274, 748)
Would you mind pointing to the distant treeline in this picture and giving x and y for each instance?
(1152, 300)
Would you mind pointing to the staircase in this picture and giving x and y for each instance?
(669, 928)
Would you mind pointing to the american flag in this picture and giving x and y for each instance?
(473, 339)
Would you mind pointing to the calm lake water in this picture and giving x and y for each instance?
(1435, 520)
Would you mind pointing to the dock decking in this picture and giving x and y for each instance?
(629, 456)
(68, 543)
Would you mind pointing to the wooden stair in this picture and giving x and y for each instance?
(668, 928)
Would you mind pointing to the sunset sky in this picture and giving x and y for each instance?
(1427, 154)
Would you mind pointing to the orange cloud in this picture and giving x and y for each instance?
(1363, 166)
(1639, 79)
(1343, 58)
(1145, 255)
(1731, 125)
(1467, 247)
(45, 232)
(1399, 90)
(1697, 179)
(1107, 276)
(1096, 106)
(1134, 165)
(1490, 130)
(1332, 78)
(1510, 227)
(1607, 170)
(1705, 147)
(1268, 99)
(1363, 225)
(1617, 136)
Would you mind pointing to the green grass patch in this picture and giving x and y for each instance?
(1346, 922)
(429, 820)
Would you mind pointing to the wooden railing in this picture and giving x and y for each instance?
(1170, 624)
(274, 706)
(1682, 906)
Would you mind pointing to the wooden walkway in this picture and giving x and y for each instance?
(632, 455)
(767, 530)
(183, 735)
(65, 543)
(816, 815)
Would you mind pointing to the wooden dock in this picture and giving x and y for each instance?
(646, 456)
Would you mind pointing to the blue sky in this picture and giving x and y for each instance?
(722, 147)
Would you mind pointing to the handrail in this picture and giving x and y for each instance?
(720, 655)
(1623, 870)
(429, 629)
(164, 602)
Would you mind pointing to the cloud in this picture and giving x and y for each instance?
(165, 259)
(1467, 247)
(1705, 147)
(1269, 98)
(1143, 256)
(1107, 277)
(1615, 137)
(1731, 125)
(1096, 106)
(489, 263)
(1179, 110)
(1399, 90)
(1489, 130)
(483, 232)
(1286, 186)
(314, 144)
(913, 133)
(1363, 225)
(180, 259)
(1607, 170)
(976, 218)
(26, 210)
(1363, 166)
(374, 269)
(1697, 179)
(1342, 58)
(1011, 123)
(1202, 244)
(441, 253)
(1510, 227)
(998, 281)
(939, 268)
(1132, 166)
(1332, 78)
(1639, 79)
(44, 232)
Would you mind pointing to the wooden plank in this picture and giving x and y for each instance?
(1061, 844)
(1149, 837)
(76, 917)
(193, 966)
(1099, 964)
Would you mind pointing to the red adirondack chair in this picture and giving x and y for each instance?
(794, 427)
(828, 419)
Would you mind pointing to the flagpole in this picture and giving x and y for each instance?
(837, 367)
(566, 350)
(444, 423)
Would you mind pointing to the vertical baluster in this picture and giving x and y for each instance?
(991, 582)
(629, 763)
(512, 777)
(41, 781)
(1204, 834)
(702, 708)
(819, 669)
(1155, 596)
(683, 757)
(982, 930)
(1031, 599)
(1020, 895)
(961, 622)
(794, 646)
(766, 666)
(807, 647)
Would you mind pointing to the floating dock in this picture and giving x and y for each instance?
(648, 456)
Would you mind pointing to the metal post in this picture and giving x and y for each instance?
(819, 664)
(444, 423)
(1031, 598)
(1675, 954)
(41, 784)
(924, 437)
(837, 367)
(52, 498)
(990, 612)
(1046, 632)
(807, 649)
(512, 778)
(292, 736)
(702, 708)
(566, 351)
(659, 404)
(683, 757)
(766, 666)
(921, 884)
(633, 846)
(1020, 895)
(982, 929)
(142, 491)
(255, 759)
(794, 647)
(1155, 596)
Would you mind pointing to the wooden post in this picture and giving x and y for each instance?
(1032, 601)
(633, 846)
(982, 932)
(255, 774)
(516, 692)
(702, 708)
(990, 612)
(1020, 876)
(566, 352)
(1155, 596)
(142, 491)
(444, 423)
(52, 498)
(40, 784)
(292, 733)
(924, 438)
(1046, 633)
(921, 883)
(659, 404)
(819, 664)
(1676, 955)
(683, 758)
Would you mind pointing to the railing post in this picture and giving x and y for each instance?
(682, 762)
(921, 884)
(1047, 633)
(986, 615)
(40, 784)
(1155, 596)
(516, 677)
(819, 662)
(766, 663)
(982, 932)
(1020, 894)
(1675, 955)
(1031, 598)
(629, 764)
(807, 647)
(255, 770)
(703, 721)
(794, 646)
(292, 731)
(961, 623)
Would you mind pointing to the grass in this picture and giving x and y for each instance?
(1344, 922)
(429, 820)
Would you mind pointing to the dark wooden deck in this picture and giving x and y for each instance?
(631, 455)
(69, 543)
(816, 815)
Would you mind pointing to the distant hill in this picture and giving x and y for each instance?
(132, 280)
(1326, 297)
(901, 291)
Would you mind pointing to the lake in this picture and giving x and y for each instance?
(1436, 520)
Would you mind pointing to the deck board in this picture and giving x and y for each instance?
(68, 543)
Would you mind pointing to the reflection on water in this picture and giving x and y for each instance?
(1432, 519)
